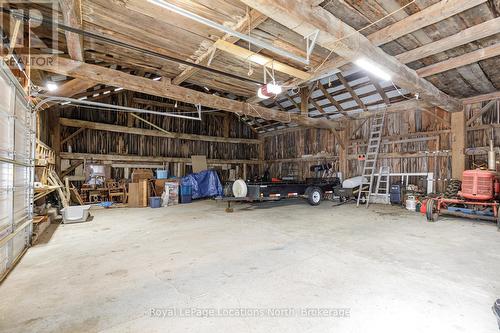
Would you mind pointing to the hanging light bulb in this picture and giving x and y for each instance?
(51, 86)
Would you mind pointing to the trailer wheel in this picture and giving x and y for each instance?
(429, 210)
(314, 195)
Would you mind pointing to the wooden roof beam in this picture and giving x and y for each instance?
(332, 100)
(249, 22)
(463, 60)
(259, 59)
(379, 89)
(471, 34)
(427, 16)
(72, 15)
(82, 124)
(351, 91)
(481, 98)
(349, 44)
(116, 78)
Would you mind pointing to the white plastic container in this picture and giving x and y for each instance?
(75, 214)
(411, 203)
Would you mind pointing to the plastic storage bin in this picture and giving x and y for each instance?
(155, 202)
(75, 214)
(161, 174)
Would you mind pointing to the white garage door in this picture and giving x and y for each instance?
(17, 137)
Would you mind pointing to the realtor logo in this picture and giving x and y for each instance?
(29, 32)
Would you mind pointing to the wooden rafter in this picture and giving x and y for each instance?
(304, 101)
(471, 34)
(332, 100)
(82, 124)
(72, 15)
(108, 76)
(379, 89)
(292, 101)
(351, 91)
(463, 60)
(318, 107)
(481, 98)
(425, 17)
(249, 22)
(429, 15)
(349, 44)
(259, 59)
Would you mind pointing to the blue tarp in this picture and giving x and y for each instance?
(204, 184)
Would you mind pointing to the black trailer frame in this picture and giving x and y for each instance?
(312, 189)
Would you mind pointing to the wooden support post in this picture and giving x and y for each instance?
(262, 157)
(304, 101)
(226, 120)
(343, 163)
(458, 136)
(56, 137)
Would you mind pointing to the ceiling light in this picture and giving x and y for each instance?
(51, 86)
(118, 89)
(157, 78)
(206, 89)
(65, 103)
(83, 98)
(269, 90)
(373, 68)
(175, 106)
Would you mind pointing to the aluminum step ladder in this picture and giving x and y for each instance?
(371, 156)
(382, 188)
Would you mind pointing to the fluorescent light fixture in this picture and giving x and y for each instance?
(65, 103)
(206, 89)
(83, 98)
(371, 67)
(241, 35)
(157, 78)
(51, 86)
(118, 89)
(95, 95)
(106, 92)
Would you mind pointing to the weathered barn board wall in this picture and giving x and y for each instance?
(212, 124)
(291, 153)
(413, 141)
(481, 128)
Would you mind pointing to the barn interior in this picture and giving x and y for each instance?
(250, 165)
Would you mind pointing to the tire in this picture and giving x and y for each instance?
(429, 210)
(314, 195)
(453, 188)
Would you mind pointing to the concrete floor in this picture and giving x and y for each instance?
(394, 271)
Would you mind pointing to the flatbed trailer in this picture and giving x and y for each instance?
(312, 189)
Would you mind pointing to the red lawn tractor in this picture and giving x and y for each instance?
(478, 198)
